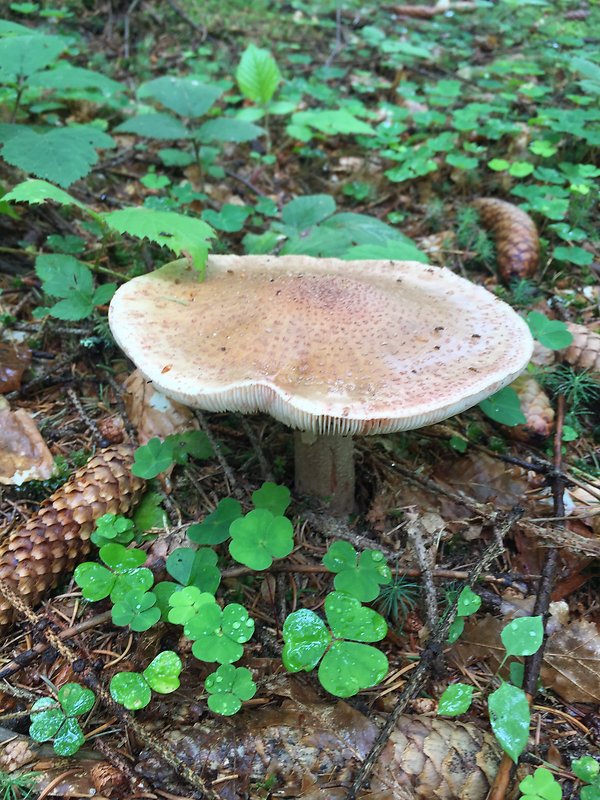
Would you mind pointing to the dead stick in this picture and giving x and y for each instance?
(542, 602)
(428, 659)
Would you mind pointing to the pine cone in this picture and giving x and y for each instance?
(109, 781)
(37, 556)
(536, 407)
(584, 352)
(515, 235)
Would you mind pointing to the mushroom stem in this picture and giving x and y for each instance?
(325, 469)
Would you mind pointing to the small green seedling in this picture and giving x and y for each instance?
(542, 785)
(587, 769)
(227, 687)
(123, 573)
(113, 528)
(468, 604)
(137, 609)
(347, 665)
(218, 634)
(259, 537)
(18, 785)
(134, 690)
(70, 280)
(359, 576)
(508, 706)
(56, 719)
(155, 457)
(187, 603)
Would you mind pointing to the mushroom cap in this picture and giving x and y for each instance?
(323, 345)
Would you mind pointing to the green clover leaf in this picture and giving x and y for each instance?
(69, 738)
(195, 568)
(138, 579)
(214, 529)
(349, 619)
(75, 699)
(131, 690)
(113, 528)
(162, 673)
(218, 634)
(95, 581)
(347, 668)
(542, 785)
(272, 497)
(586, 768)
(46, 718)
(152, 458)
(227, 687)
(137, 609)
(122, 559)
(187, 603)
(357, 576)
(306, 639)
(259, 537)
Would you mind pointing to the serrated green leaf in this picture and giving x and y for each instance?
(504, 407)
(510, 717)
(21, 56)
(304, 212)
(332, 122)
(230, 218)
(61, 155)
(186, 96)
(154, 126)
(183, 235)
(229, 129)
(36, 191)
(65, 77)
(258, 75)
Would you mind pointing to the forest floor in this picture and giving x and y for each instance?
(366, 131)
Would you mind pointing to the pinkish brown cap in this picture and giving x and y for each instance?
(323, 345)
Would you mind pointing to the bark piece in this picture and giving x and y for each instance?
(515, 235)
(14, 360)
(37, 556)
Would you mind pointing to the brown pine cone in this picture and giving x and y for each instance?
(109, 781)
(37, 556)
(584, 351)
(515, 235)
(536, 407)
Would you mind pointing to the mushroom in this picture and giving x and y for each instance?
(331, 348)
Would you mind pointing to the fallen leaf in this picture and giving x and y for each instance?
(151, 413)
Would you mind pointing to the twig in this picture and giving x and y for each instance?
(27, 656)
(429, 657)
(200, 29)
(542, 601)
(90, 423)
(258, 451)
(128, 13)
(413, 531)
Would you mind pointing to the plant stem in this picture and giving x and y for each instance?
(325, 469)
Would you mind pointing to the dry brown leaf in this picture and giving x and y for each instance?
(151, 413)
(571, 665)
(515, 234)
(14, 360)
(24, 455)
